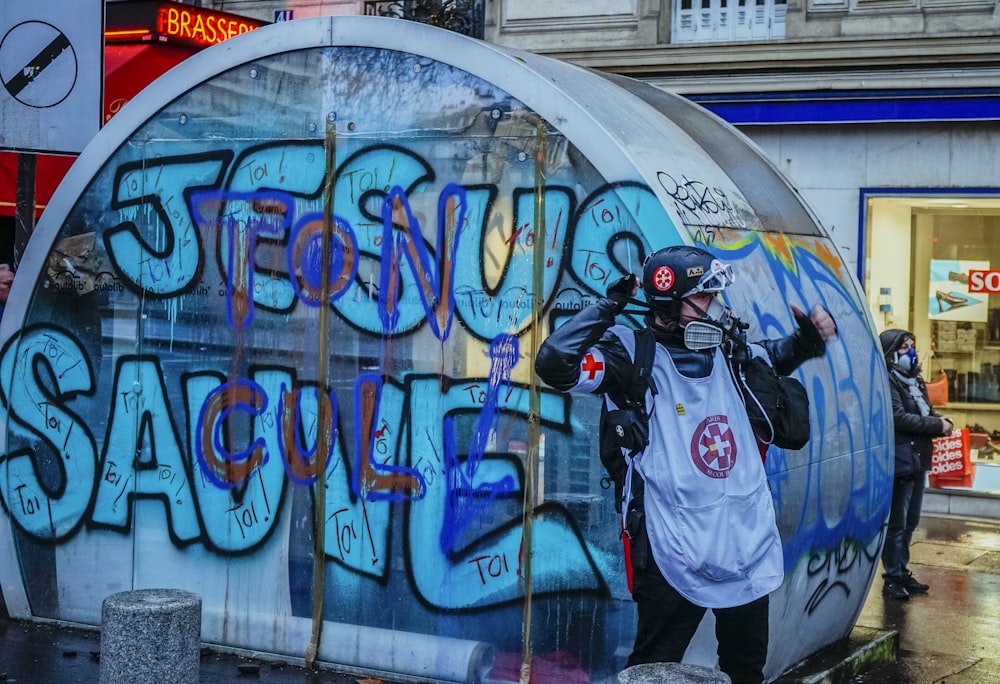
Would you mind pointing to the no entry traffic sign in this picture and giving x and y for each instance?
(51, 71)
(38, 65)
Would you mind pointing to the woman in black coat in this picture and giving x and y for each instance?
(915, 425)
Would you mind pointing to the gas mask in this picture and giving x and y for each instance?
(708, 332)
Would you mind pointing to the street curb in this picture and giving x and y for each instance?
(865, 649)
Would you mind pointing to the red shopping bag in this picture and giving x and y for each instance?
(951, 465)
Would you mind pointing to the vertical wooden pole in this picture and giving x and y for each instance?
(534, 396)
(324, 428)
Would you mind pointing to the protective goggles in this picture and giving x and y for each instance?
(717, 278)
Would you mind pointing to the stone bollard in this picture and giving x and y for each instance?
(151, 635)
(672, 673)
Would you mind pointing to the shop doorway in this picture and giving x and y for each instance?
(932, 266)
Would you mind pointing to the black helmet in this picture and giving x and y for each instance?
(673, 273)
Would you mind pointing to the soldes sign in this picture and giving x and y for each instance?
(984, 281)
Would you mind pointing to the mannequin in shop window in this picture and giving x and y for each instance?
(915, 425)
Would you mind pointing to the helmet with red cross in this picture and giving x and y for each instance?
(673, 273)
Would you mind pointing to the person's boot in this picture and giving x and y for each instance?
(893, 588)
(912, 586)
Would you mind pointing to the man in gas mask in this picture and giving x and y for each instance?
(699, 519)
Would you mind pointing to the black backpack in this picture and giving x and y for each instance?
(627, 427)
(777, 405)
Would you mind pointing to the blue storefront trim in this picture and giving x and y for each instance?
(855, 106)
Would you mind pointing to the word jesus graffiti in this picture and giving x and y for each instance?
(374, 224)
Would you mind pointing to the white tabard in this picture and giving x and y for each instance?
(709, 513)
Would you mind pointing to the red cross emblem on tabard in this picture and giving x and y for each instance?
(591, 366)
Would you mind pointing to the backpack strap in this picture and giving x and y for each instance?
(642, 366)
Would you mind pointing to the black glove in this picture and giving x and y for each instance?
(620, 291)
(812, 342)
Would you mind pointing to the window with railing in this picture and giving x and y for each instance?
(702, 21)
(461, 16)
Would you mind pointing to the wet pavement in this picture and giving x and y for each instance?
(950, 635)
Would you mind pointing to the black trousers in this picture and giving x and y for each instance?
(668, 621)
(904, 516)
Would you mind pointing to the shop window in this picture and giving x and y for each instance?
(944, 286)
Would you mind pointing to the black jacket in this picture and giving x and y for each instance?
(913, 431)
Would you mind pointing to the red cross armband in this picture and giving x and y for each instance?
(591, 371)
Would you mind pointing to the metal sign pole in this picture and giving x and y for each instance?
(24, 207)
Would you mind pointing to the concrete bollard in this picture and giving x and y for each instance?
(672, 673)
(151, 635)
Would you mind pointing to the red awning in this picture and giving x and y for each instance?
(49, 170)
(128, 68)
